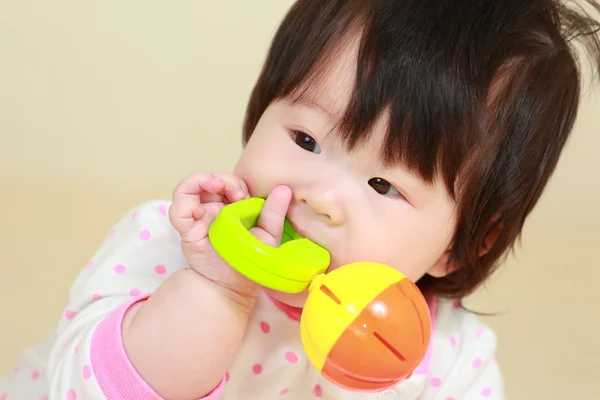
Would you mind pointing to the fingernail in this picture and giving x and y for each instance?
(241, 194)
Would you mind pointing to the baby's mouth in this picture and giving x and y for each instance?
(298, 228)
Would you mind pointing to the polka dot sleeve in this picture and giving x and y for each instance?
(88, 360)
(464, 365)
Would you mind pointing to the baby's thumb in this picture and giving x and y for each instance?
(269, 227)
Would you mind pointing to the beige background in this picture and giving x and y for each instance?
(107, 104)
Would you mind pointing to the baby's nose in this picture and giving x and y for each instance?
(326, 202)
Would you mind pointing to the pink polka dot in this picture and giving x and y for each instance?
(480, 332)
(87, 372)
(160, 269)
(120, 269)
(69, 314)
(43, 398)
(89, 265)
(35, 375)
(291, 357)
(163, 209)
(257, 368)
(76, 348)
(71, 395)
(144, 234)
(96, 297)
(3, 396)
(264, 327)
(318, 391)
(436, 382)
(450, 398)
(134, 214)
(227, 377)
(477, 362)
(112, 232)
(453, 341)
(486, 392)
(284, 391)
(135, 292)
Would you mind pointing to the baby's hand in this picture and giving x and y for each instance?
(196, 202)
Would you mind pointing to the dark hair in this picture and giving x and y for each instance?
(483, 92)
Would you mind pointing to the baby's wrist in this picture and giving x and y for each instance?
(240, 294)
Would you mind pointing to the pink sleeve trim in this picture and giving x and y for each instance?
(116, 376)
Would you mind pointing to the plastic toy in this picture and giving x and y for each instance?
(287, 268)
(365, 326)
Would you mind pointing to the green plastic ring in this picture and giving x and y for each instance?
(288, 268)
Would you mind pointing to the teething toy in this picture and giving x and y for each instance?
(365, 326)
(287, 268)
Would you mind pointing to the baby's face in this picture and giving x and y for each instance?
(348, 202)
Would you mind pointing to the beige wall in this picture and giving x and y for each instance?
(107, 104)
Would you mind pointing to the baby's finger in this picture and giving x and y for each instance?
(233, 193)
(197, 182)
(199, 230)
(235, 188)
(187, 200)
(271, 219)
(244, 188)
(184, 212)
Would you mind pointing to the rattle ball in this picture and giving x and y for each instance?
(365, 326)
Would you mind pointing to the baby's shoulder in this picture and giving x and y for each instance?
(146, 218)
(454, 323)
(153, 210)
(463, 363)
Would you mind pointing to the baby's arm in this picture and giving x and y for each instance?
(118, 342)
(88, 359)
(183, 339)
(185, 336)
(202, 310)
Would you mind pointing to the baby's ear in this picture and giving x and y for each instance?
(441, 268)
(490, 237)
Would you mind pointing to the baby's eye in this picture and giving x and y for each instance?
(306, 142)
(382, 186)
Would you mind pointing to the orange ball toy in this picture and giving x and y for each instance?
(365, 326)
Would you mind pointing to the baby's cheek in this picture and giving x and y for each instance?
(413, 256)
(253, 178)
(261, 176)
(340, 258)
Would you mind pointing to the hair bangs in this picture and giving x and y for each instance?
(428, 109)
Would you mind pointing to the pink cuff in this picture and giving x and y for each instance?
(117, 378)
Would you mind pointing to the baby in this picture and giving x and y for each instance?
(414, 133)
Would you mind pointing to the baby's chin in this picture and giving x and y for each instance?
(291, 299)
